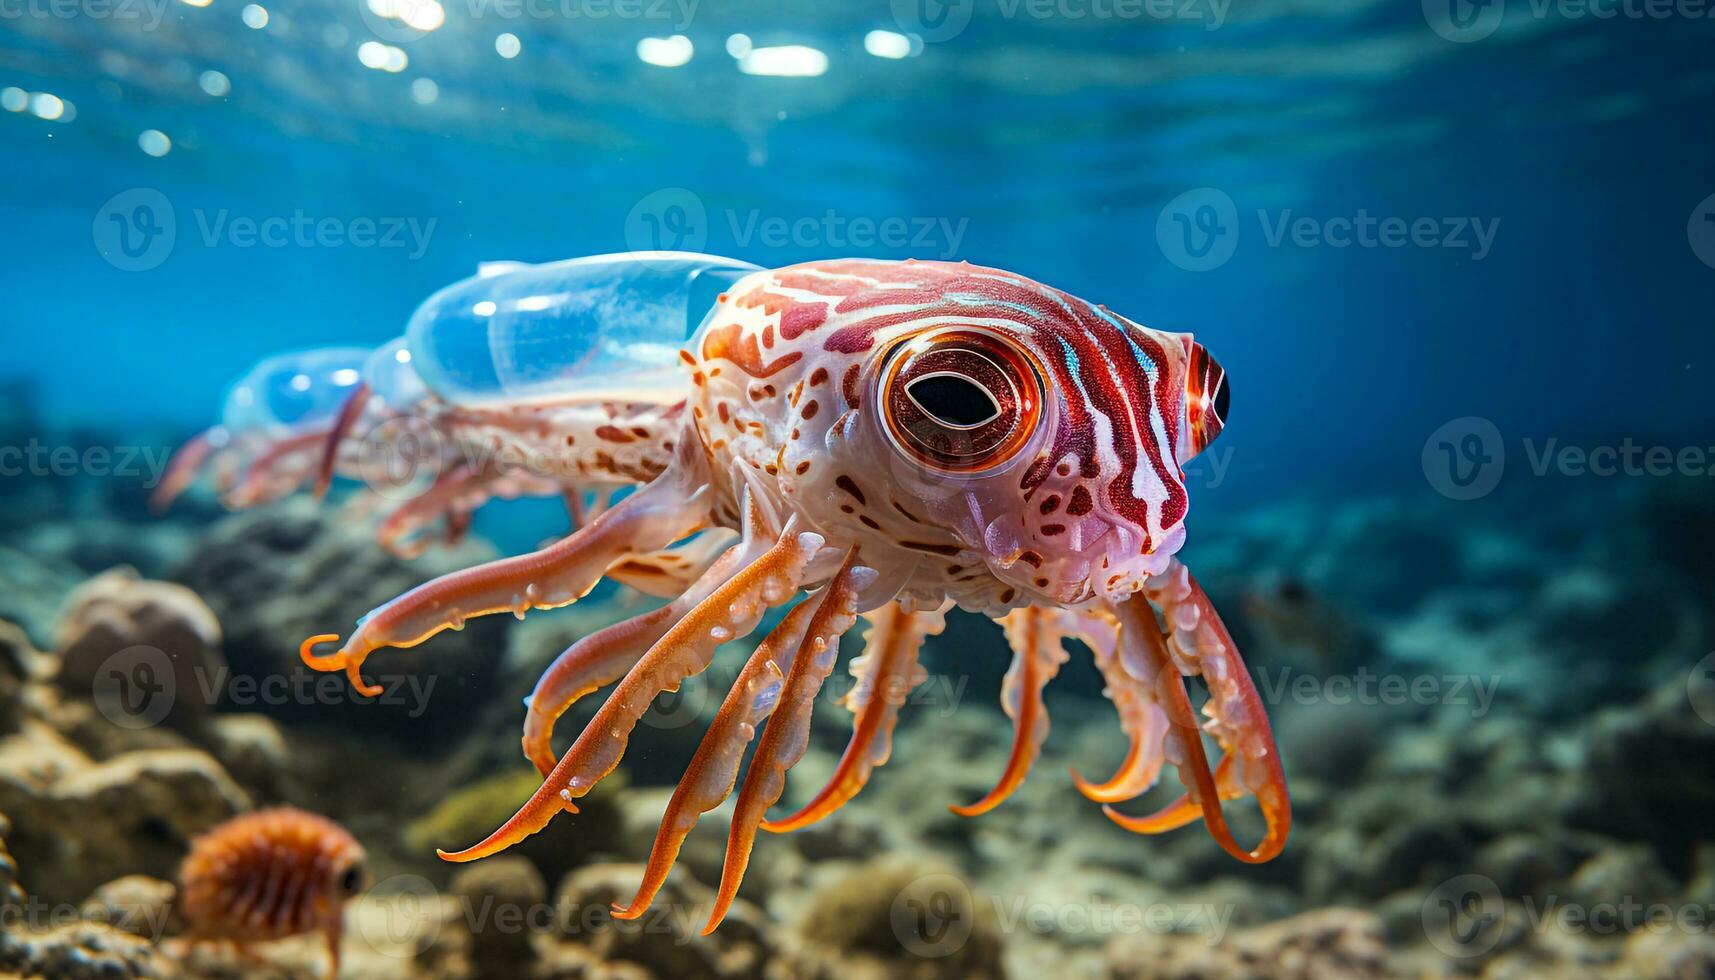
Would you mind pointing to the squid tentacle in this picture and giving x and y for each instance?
(586, 666)
(787, 737)
(886, 674)
(1198, 643)
(399, 530)
(1036, 635)
(815, 625)
(731, 610)
(669, 572)
(348, 415)
(604, 656)
(188, 461)
(277, 470)
(668, 508)
(1141, 716)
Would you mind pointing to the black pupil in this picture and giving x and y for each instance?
(953, 399)
(1222, 397)
(351, 880)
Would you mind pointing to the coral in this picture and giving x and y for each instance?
(84, 951)
(664, 942)
(20, 665)
(1651, 772)
(497, 909)
(899, 917)
(84, 823)
(147, 649)
(11, 892)
(137, 904)
(254, 751)
(470, 811)
(1328, 944)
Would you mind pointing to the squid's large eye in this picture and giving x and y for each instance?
(1206, 399)
(960, 400)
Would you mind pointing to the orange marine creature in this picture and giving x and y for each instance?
(887, 440)
(271, 874)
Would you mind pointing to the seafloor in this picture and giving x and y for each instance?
(1501, 753)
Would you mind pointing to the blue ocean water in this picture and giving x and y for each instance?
(1559, 158)
(1440, 247)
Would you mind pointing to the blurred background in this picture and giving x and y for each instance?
(1457, 259)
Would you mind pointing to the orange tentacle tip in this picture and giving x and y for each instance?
(338, 661)
(1093, 791)
(328, 664)
(980, 807)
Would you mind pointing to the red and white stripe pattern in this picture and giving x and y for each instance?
(1120, 387)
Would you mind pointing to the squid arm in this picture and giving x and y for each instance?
(1036, 636)
(886, 673)
(812, 629)
(665, 510)
(732, 610)
(1197, 643)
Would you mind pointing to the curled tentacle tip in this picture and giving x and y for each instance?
(976, 809)
(626, 912)
(1093, 791)
(357, 683)
(329, 663)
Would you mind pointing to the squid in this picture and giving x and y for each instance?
(836, 442)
